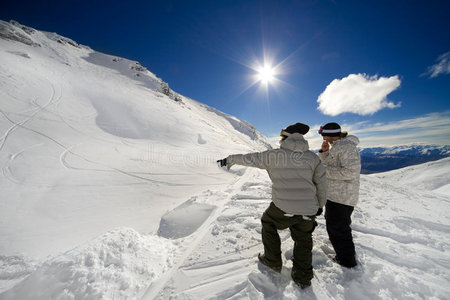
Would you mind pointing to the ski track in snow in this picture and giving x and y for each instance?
(68, 150)
(6, 169)
(28, 119)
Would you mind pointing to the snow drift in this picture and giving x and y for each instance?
(115, 265)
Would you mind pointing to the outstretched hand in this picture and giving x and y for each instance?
(222, 162)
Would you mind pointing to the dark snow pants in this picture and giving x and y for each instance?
(301, 228)
(338, 220)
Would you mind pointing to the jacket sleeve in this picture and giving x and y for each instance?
(323, 155)
(349, 165)
(256, 160)
(320, 181)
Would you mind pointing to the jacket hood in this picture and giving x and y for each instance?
(295, 142)
(349, 139)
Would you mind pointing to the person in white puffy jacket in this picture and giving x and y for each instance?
(298, 195)
(342, 162)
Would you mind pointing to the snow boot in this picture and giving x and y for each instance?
(344, 264)
(302, 283)
(264, 262)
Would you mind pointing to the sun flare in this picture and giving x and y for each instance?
(266, 74)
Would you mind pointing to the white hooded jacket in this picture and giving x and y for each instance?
(343, 165)
(298, 177)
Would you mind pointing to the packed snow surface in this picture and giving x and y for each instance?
(110, 190)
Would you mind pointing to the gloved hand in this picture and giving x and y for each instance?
(319, 211)
(222, 162)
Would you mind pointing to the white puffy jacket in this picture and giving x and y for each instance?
(343, 165)
(298, 177)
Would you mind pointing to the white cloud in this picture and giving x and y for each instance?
(432, 128)
(358, 93)
(442, 66)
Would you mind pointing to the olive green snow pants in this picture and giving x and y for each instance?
(301, 228)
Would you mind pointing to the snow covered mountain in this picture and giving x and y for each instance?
(91, 142)
(110, 190)
(383, 159)
(410, 150)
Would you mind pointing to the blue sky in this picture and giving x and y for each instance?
(379, 68)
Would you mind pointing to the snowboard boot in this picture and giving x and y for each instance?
(343, 263)
(303, 285)
(262, 259)
(302, 281)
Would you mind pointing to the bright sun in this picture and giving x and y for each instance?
(265, 74)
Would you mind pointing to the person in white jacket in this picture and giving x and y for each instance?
(298, 195)
(342, 162)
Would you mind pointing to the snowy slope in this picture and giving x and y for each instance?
(90, 142)
(401, 236)
(110, 191)
(431, 176)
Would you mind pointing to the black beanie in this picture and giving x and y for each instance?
(330, 129)
(296, 128)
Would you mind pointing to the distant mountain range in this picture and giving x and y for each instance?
(381, 159)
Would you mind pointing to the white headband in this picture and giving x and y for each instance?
(331, 130)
